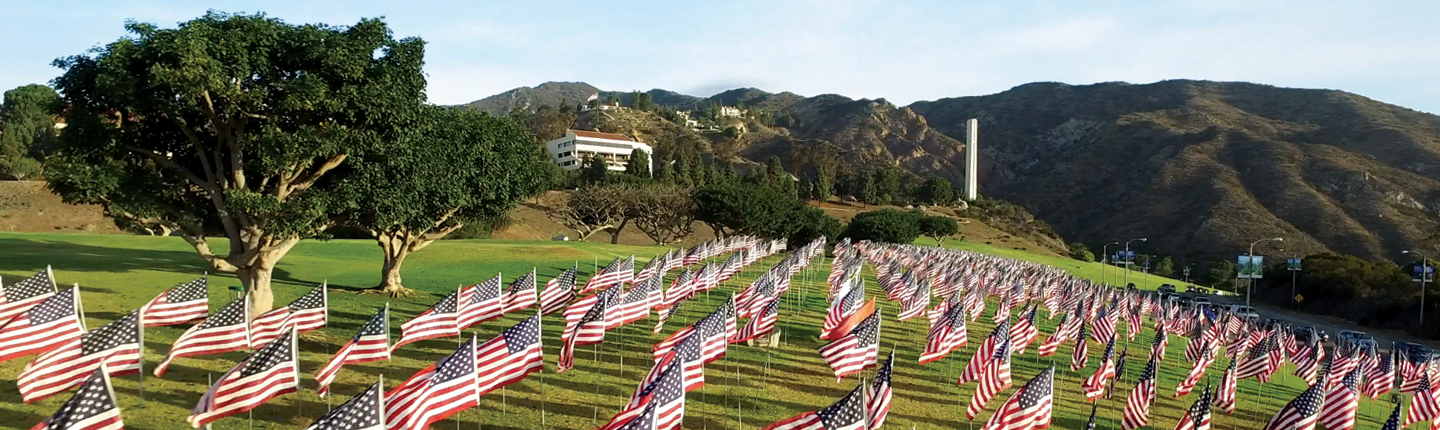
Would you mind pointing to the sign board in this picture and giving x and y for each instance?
(1251, 267)
(1299, 298)
(1292, 264)
(1429, 273)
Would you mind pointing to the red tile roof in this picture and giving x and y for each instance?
(599, 135)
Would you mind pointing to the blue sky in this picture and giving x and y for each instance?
(899, 50)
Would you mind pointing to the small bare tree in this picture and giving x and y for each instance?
(591, 209)
(665, 213)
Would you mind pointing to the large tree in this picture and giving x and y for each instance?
(231, 125)
(449, 168)
(639, 164)
(591, 209)
(665, 213)
(27, 128)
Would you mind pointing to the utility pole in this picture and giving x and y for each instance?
(1424, 273)
(1294, 267)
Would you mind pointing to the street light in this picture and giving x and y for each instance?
(1187, 273)
(1251, 285)
(1424, 267)
(1105, 254)
(1127, 257)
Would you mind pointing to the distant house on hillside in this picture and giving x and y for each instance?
(570, 151)
(731, 111)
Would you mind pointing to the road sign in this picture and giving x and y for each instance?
(1299, 298)
(1292, 264)
(1251, 267)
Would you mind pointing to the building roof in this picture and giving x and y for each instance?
(599, 135)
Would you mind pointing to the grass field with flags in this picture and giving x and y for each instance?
(749, 388)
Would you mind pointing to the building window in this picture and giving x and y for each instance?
(567, 163)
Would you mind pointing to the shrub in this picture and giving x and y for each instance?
(886, 225)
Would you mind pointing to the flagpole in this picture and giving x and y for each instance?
(140, 325)
(209, 382)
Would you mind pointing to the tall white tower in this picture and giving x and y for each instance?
(972, 159)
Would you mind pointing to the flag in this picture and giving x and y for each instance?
(635, 303)
(1225, 396)
(840, 312)
(521, 293)
(371, 343)
(1394, 422)
(1198, 417)
(659, 404)
(480, 303)
(1090, 425)
(1162, 339)
(618, 272)
(1029, 408)
(305, 313)
(1423, 404)
(180, 304)
(1062, 331)
(1094, 386)
(1257, 361)
(435, 392)
(680, 289)
(1341, 403)
(436, 322)
(1081, 354)
(585, 324)
(115, 345)
(1381, 378)
(92, 407)
(1303, 412)
(716, 329)
(1137, 407)
(510, 357)
(1197, 371)
(365, 411)
(21, 296)
(1119, 370)
(1024, 331)
(877, 400)
(853, 352)
(948, 333)
(652, 267)
(48, 325)
(761, 324)
(559, 291)
(995, 378)
(271, 371)
(223, 331)
(846, 414)
(983, 354)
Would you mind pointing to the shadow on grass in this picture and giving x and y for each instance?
(29, 255)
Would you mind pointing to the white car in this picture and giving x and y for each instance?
(1244, 311)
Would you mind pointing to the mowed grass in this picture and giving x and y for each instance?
(1093, 271)
(749, 388)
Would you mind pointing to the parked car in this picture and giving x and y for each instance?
(1412, 349)
(1244, 311)
(1353, 336)
(1202, 300)
(1166, 289)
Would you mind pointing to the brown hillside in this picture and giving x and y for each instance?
(26, 206)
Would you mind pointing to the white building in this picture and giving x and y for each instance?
(731, 111)
(571, 150)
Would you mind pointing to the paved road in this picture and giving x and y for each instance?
(1331, 325)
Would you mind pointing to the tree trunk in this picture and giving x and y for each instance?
(615, 233)
(390, 272)
(256, 280)
(396, 247)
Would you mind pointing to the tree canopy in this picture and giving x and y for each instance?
(885, 225)
(231, 124)
(449, 168)
(27, 128)
(938, 227)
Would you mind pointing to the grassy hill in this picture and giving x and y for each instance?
(750, 387)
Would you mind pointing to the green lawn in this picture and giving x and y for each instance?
(749, 388)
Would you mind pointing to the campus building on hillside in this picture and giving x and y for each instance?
(571, 150)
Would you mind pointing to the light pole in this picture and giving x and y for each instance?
(1187, 273)
(1251, 284)
(1104, 255)
(1424, 268)
(1127, 257)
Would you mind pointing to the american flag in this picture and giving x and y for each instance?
(1162, 339)
(658, 404)
(977, 365)
(521, 293)
(1104, 324)
(717, 328)
(559, 291)
(43, 327)
(1024, 331)
(847, 414)
(115, 345)
(994, 379)
(21, 296)
(365, 411)
(1301, 413)
(1029, 408)
(1225, 396)
(92, 408)
(1423, 405)
(1198, 417)
(435, 392)
(948, 333)
(271, 371)
(436, 322)
(761, 324)
(1381, 378)
(1137, 407)
(636, 303)
(1090, 425)
(1197, 371)
(585, 324)
(916, 303)
(850, 301)
(681, 289)
(1307, 363)
(306, 313)
(618, 272)
(877, 400)
(223, 331)
(479, 303)
(1341, 403)
(180, 304)
(371, 343)
(654, 266)
(1119, 370)
(1394, 422)
(1094, 386)
(696, 254)
(674, 259)
(1081, 354)
(1257, 361)
(855, 351)
(1062, 332)
(689, 352)
(755, 297)
(510, 357)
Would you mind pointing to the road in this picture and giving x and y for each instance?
(1331, 325)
